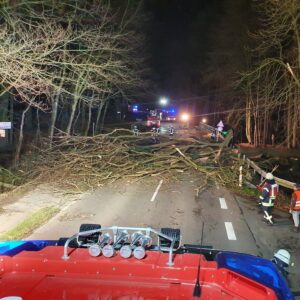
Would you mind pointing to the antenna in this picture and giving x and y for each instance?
(197, 288)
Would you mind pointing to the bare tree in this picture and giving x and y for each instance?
(274, 79)
(53, 59)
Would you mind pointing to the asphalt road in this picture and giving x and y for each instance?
(230, 223)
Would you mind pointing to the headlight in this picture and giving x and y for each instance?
(125, 251)
(108, 251)
(185, 117)
(94, 250)
(139, 252)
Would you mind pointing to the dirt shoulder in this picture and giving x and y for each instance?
(16, 209)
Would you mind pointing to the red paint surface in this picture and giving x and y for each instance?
(44, 275)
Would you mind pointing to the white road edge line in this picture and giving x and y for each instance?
(156, 191)
(223, 203)
(230, 231)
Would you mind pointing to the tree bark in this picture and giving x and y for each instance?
(38, 128)
(80, 111)
(248, 121)
(73, 110)
(295, 121)
(104, 115)
(288, 136)
(11, 118)
(21, 136)
(100, 108)
(53, 117)
(89, 119)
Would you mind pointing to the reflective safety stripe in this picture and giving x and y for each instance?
(269, 193)
(268, 217)
(268, 204)
(274, 191)
(296, 196)
(297, 205)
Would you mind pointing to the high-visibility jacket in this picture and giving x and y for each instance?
(269, 193)
(296, 197)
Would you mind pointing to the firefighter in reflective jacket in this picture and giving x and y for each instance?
(171, 130)
(295, 207)
(269, 192)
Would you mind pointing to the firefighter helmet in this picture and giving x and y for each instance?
(269, 176)
(283, 255)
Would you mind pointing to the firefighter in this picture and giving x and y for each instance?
(171, 130)
(155, 134)
(153, 131)
(220, 126)
(213, 136)
(295, 207)
(269, 192)
(282, 259)
(135, 130)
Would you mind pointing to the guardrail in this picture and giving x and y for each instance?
(256, 168)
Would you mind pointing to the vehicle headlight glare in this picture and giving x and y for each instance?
(185, 117)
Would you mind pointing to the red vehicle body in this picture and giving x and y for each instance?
(153, 121)
(44, 275)
(54, 270)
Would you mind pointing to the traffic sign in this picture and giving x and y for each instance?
(5, 125)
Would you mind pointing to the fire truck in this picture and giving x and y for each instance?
(134, 263)
(153, 119)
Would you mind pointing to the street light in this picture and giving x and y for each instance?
(163, 101)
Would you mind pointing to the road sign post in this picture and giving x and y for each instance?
(4, 135)
(5, 125)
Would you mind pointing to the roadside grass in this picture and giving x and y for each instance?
(30, 224)
(10, 180)
(249, 192)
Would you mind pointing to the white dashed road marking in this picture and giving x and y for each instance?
(223, 203)
(230, 231)
(156, 191)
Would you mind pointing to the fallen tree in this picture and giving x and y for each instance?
(78, 163)
(88, 162)
(9, 180)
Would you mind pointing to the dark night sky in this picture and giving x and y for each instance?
(197, 48)
(179, 43)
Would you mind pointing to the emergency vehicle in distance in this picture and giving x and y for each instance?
(153, 118)
(126, 263)
(170, 114)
